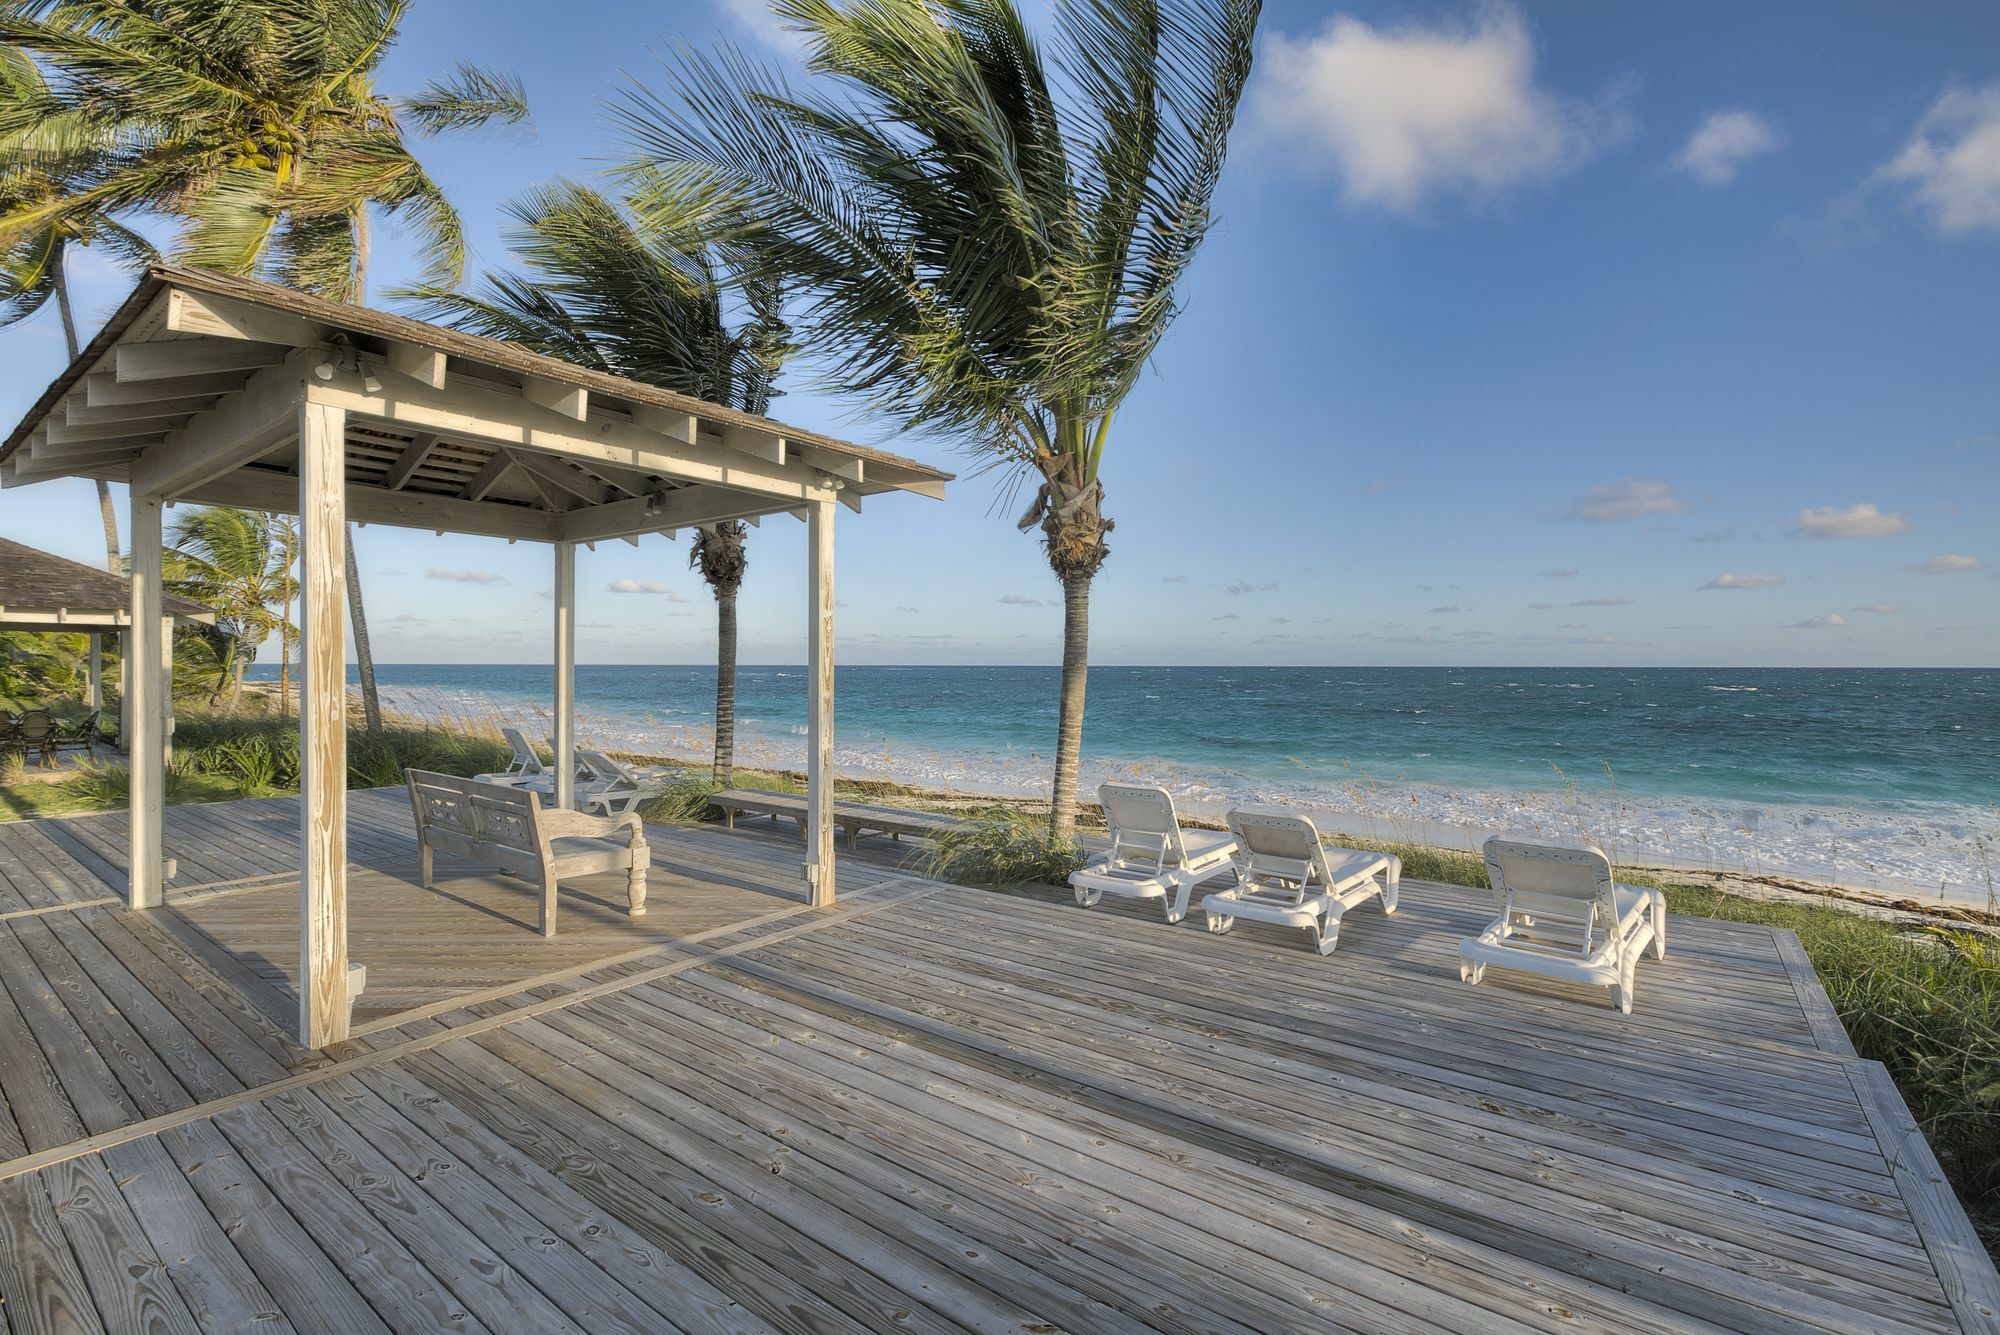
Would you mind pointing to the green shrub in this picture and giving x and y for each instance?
(683, 802)
(99, 785)
(1002, 849)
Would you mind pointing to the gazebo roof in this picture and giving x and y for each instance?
(192, 391)
(42, 591)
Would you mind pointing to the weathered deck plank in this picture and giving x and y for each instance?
(926, 1109)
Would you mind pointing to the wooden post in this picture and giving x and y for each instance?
(565, 701)
(167, 690)
(143, 710)
(819, 704)
(323, 999)
(94, 674)
(125, 691)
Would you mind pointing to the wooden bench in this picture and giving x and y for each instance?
(508, 828)
(853, 817)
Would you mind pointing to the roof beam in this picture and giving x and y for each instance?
(219, 317)
(79, 411)
(267, 489)
(559, 474)
(419, 364)
(229, 436)
(681, 426)
(756, 444)
(104, 390)
(178, 358)
(494, 417)
(63, 433)
(412, 459)
(487, 478)
(683, 507)
(568, 400)
(839, 465)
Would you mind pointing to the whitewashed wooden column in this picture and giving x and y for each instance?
(323, 997)
(144, 712)
(94, 675)
(125, 691)
(565, 701)
(167, 691)
(819, 704)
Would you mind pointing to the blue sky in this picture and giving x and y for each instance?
(1559, 333)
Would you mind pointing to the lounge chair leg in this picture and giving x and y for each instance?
(1326, 934)
(1176, 908)
(1660, 928)
(1219, 923)
(1392, 884)
(1086, 899)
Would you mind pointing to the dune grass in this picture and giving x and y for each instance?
(998, 849)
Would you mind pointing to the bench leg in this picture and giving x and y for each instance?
(635, 881)
(424, 866)
(728, 818)
(548, 905)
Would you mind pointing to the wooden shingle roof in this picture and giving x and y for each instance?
(35, 584)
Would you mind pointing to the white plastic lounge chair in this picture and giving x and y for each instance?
(525, 767)
(1564, 916)
(1151, 856)
(1286, 876)
(604, 785)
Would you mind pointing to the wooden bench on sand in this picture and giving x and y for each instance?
(856, 818)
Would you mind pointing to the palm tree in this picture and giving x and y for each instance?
(238, 562)
(258, 126)
(641, 298)
(988, 243)
(39, 162)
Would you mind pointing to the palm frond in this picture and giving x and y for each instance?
(472, 99)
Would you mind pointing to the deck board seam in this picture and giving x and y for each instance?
(143, 1127)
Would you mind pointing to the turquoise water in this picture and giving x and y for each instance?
(1902, 764)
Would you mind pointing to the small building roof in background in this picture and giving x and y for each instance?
(42, 591)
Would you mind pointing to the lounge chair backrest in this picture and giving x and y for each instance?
(603, 769)
(1552, 896)
(525, 760)
(1285, 847)
(1142, 822)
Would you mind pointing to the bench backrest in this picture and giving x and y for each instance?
(1552, 896)
(36, 725)
(467, 812)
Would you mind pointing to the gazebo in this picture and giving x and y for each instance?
(220, 390)
(40, 591)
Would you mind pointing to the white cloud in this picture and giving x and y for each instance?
(1827, 622)
(1240, 587)
(1743, 582)
(1021, 600)
(1447, 609)
(1634, 498)
(1719, 147)
(1855, 521)
(652, 586)
(755, 17)
(1410, 112)
(1879, 609)
(1952, 162)
(1949, 564)
(450, 576)
(1613, 601)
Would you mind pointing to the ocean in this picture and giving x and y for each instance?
(1884, 777)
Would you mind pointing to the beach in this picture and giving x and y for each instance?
(1877, 781)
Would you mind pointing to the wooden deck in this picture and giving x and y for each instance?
(927, 1108)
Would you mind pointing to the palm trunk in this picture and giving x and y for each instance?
(105, 510)
(725, 686)
(364, 655)
(1069, 718)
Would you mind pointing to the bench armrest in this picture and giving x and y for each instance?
(567, 824)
